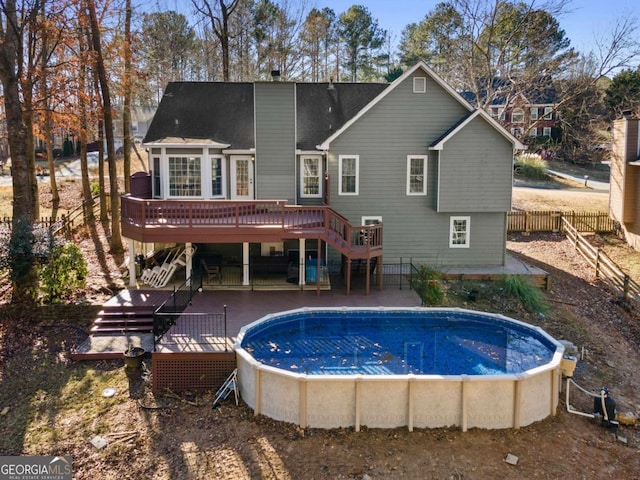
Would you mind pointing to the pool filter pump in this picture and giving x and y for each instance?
(605, 407)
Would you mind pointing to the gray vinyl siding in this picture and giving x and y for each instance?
(401, 124)
(275, 141)
(476, 170)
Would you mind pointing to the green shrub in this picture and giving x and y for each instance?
(532, 166)
(530, 296)
(426, 283)
(95, 188)
(65, 272)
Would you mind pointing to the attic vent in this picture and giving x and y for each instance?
(420, 85)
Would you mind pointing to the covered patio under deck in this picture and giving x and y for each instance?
(247, 222)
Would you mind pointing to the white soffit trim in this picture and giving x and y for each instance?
(309, 152)
(240, 151)
(420, 65)
(184, 142)
(517, 145)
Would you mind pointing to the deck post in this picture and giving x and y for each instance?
(132, 262)
(302, 272)
(367, 281)
(245, 263)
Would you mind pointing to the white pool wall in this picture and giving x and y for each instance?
(390, 401)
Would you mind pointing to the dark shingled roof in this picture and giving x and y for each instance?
(540, 92)
(222, 112)
(324, 108)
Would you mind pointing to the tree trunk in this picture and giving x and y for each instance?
(25, 280)
(126, 113)
(115, 242)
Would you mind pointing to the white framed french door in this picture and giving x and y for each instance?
(241, 178)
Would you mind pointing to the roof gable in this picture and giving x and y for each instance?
(439, 143)
(407, 75)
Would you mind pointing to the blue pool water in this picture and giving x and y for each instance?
(397, 342)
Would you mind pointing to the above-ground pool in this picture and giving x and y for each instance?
(390, 367)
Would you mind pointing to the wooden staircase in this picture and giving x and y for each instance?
(124, 319)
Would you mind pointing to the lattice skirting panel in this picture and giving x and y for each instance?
(195, 372)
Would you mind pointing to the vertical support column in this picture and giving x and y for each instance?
(517, 402)
(464, 413)
(348, 275)
(257, 392)
(132, 263)
(302, 420)
(555, 390)
(189, 250)
(245, 263)
(410, 407)
(302, 271)
(358, 407)
(367, 281)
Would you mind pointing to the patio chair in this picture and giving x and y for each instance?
(168, 268)
(212, 272)
(150, 275)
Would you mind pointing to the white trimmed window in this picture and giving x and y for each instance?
(417, 175)
(533, 113)
(419, 84)
(218, 177)
(459, 228)
(548, 113)
(516, 132)
(546, 131)
(348, 181)
(517, 116)
(533, 132)
(310, 176)
(502, 114)
(185, 177)
(371, 220)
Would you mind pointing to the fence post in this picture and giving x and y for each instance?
(625, 290)
(401, 273)
(225, 328)
(598, 262)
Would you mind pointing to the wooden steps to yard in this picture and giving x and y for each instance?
(122, 321)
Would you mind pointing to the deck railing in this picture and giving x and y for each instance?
(198, 328)
(335, 229)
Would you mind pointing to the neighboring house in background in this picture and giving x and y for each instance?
(141, 117)
(527, 116)
(317, 171)
(624, 201)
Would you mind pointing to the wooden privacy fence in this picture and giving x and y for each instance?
(551, 221)
(606, 269)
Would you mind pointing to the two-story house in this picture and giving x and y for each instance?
(624, 203)
(316, 172)
(529, 115)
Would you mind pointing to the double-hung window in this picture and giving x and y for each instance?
(217, 177)
(546, 131)
(185, 177)
(517, 116)
(310, 176)
(348, 181)
(417, 175)
(533, 113)
(459, 232)
(548, 113)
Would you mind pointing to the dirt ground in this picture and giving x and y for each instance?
(55, 406)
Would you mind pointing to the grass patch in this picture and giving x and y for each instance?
(529, 295)
(531, 166)
(51, 401)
